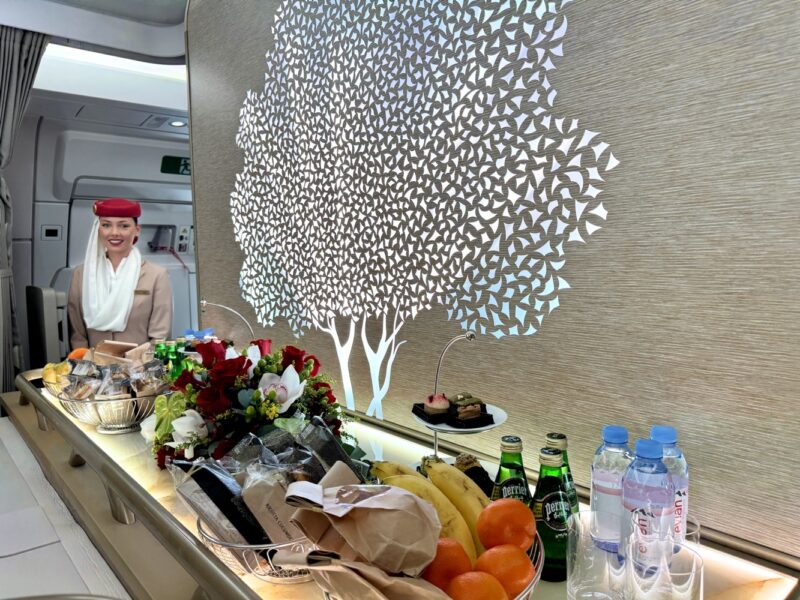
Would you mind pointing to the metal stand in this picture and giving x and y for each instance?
(469, 336)
(120, 512)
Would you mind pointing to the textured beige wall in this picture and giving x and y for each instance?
(684, 308)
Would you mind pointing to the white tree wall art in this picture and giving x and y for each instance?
(405, 154)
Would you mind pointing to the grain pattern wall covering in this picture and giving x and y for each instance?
(605, 191)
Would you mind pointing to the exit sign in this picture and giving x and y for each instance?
(176, 165)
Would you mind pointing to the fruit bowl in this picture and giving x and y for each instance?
(116, 415)
(537, 557)
(256, 559)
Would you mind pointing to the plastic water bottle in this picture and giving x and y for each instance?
(679, 471)
(648, 498)
(608, 466)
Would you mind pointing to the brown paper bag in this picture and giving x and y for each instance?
(348, 580)
(110, 352)
(389, 527)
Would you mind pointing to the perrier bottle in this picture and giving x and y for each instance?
(511, 481)
(559, 442)
(551, 508)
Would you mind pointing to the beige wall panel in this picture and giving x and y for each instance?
(683, 309)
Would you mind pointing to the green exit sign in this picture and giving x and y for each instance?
(176, 165)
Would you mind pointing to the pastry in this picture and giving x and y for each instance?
(436, 404)
(467, 407)
(472, 468)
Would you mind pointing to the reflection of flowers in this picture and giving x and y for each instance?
(217, 401)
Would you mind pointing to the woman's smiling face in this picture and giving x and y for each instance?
(118, 234)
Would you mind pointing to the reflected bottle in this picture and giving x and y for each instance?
(552, 509)
(559, 442)
(172, 358)
(511, 481)
(160, 352)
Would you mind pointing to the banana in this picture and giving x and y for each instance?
(453, 524)
(464, 493)
(382, 469)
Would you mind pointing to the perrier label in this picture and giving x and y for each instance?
(511, 481)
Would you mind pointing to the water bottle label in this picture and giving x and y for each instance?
(513, 487)
(681, 510)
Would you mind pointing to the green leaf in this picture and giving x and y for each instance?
(167, 409)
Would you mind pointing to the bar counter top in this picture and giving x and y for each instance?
(128, 471)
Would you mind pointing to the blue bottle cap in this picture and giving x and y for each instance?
(664, 434)
(615, 434)
(649, 449)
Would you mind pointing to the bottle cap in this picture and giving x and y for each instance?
(510, 443)
(551, 457)
(171, 343)
(649, 449)
(180, 340)
(556, 440)
(664, 434)
(160, 341)
(615, 434)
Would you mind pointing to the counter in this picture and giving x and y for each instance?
(141, 493)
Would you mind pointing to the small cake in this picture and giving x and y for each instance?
(467, 407)
(472, 468)
(436, 404)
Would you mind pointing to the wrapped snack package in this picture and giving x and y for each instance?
(148, 379)
(82, 388)
(213, 494)
(349, 580)
(85, 368)
(116, 382)
(263, 492)
(389, 527)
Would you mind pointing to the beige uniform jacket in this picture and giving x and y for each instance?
(151, 313)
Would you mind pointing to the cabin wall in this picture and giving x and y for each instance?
(681, 309)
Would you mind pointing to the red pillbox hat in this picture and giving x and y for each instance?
(117, 207)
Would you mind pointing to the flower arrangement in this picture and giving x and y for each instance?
(216, 402)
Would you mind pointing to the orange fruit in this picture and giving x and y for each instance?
(78, 353)
(506, 521)
(476, 585)
(510, 565)
(451, 560)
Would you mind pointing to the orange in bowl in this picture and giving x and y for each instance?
(506, 521)
(450, 561)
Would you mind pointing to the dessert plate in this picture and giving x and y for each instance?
(500, 417)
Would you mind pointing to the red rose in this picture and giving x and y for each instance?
(186, 377)
(225, 372)
(211, 352)
(162, 454)
(315, 368)
(335, 426)
(293, 356)
(325, 387)
(223, 447)
(212, 401)
(264, 346)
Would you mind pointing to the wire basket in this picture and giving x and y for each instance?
(537, 558)
(112, 416)
(56, 386)
(257, 559)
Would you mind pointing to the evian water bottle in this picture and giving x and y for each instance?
(648, 498)
(679, 471)
(608, 466)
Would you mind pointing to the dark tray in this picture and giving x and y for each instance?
(451, 418)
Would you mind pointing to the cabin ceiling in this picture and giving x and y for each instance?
(154, 12)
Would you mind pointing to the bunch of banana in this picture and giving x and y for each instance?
(453, 524)
(464, 493)
(383, 469)
(54, 373)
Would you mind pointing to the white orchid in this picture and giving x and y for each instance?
(287, 387)
(148, 428)
(188, 428)
(254, 354)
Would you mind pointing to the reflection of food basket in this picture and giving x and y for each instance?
(537, 557)
(121, 415)
(256, 559)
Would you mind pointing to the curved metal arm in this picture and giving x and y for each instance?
(469, 336)
(204, 303)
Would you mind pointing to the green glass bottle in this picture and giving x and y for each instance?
(172, 358)
(511, 481)
(180, 361)
(160, 352)
(551, 508)
(559, 442)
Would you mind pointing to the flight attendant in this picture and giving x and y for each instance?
(114, 294)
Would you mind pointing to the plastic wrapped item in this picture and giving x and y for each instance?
(326, 448)
(213, 494)
(82, 388)
(85, 368)
(116, 382)
(148, 379)
(263, 492)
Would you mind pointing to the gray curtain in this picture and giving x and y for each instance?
(20, 53)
